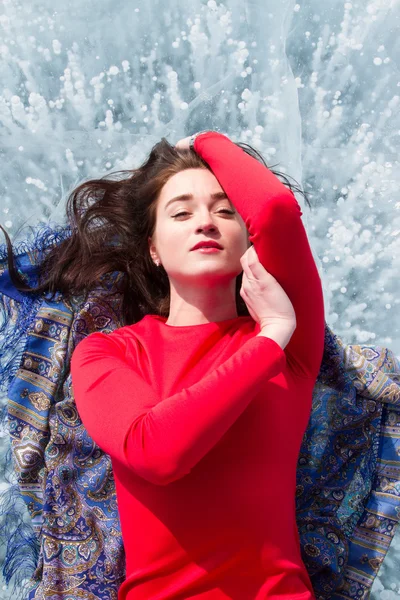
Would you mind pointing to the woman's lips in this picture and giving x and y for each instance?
(208, 250)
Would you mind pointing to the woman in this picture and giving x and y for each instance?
(203, 412)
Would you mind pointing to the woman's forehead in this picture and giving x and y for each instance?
(193, 185)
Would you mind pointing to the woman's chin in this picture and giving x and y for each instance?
(201, 274)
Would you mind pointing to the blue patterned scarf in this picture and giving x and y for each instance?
(58, 510)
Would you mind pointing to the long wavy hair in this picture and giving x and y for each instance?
(109, 221)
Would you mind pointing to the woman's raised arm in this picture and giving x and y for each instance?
(273, 219)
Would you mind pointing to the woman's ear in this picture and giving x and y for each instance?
(152, 252)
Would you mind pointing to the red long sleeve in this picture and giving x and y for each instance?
(162, 441)
(273, 218)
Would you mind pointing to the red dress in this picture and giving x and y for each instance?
(204, 423)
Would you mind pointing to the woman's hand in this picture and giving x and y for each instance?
(183, 144)
(265, 298)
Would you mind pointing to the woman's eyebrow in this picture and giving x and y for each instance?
(216, 196)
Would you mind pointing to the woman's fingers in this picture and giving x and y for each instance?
(266, 300)
(251, 264)
(183, 144)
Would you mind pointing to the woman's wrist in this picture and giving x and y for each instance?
(194, 136)
(188, 142)
(280, 334)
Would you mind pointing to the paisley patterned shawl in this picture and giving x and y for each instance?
(58, 510)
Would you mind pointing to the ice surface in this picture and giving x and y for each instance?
(88, 87)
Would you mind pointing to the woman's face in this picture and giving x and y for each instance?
(181, 224)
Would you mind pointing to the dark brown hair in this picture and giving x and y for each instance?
(110, 220)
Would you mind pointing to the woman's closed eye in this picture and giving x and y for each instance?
(224, 210)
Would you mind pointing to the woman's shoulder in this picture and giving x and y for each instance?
(119, 336)
(127, 334)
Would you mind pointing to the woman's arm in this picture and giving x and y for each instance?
(273, 219)
(163, 439)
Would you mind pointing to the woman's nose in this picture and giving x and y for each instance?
(207, 224)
